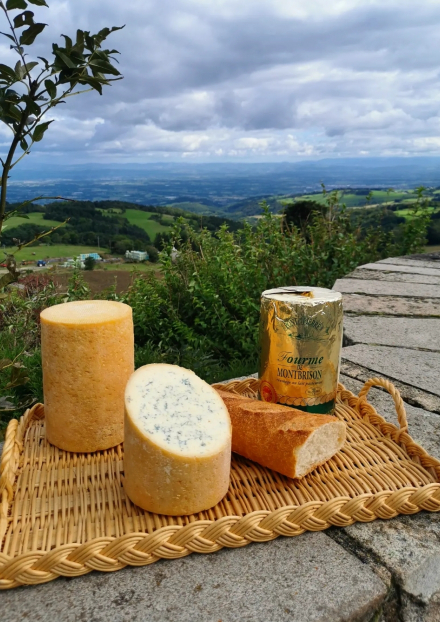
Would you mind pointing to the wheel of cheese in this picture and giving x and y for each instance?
(177, 442)
(88, 356)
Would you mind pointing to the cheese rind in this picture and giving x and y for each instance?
(88, 356)
(177, 441)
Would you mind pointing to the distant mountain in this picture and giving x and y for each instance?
(221, 188)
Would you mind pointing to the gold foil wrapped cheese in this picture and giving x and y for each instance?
(301, 338)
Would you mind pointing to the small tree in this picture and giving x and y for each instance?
(89, 263)
(31, 88)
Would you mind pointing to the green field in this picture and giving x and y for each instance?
(192, 206)
(405, 212)
(35, 218)
(129, 267)
(142, 220)
(354, 200)
(56, 250)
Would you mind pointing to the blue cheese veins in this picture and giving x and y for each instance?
(172, 407)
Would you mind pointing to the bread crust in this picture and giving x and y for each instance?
(272, 434)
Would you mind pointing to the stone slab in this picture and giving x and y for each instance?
(411, 395)
(381, 288)
(404, 261)
(417, 368)
(393, 331)
(398, 277)
(408, 546)
(399, 268)
(391, 305)
(423, 426)
(308, 578)
(430, 256)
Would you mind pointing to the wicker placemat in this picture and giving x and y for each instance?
(65, 514)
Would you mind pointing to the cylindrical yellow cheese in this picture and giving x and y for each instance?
(177, 444)
(87, 352)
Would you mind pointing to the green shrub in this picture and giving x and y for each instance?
(203, 312)
(89, 263)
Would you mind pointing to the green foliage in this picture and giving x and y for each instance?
(209, 296)
(300, 212)
(203, 312)
(20, 367)
(153, 254)
(89, 263)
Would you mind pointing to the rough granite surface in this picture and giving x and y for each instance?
(403, 332)
(418, 368)
(405, 268)
(409, 261)
(387, 288)
(391, 305)
(405, 350)
(423, 425)
(309, 578)
(396, 277)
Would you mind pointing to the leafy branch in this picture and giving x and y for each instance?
(31, 88)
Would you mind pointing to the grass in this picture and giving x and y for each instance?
(192, 206)
(56, 250)
(405, 212)
(129, 267)
(354, 200)
(35, 218)
(432, 249)
(142, 220)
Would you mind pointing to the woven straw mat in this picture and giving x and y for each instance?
(66, 514)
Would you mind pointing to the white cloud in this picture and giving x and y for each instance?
(256, 79)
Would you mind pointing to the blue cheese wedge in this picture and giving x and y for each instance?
(177, 441)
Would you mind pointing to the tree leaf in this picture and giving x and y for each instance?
(8, 71)
(5, 34)
(19, 70)
(6, 279)
(51, 88)
(39, 131)
(24, 19)
(13, 111)
(38, 2)
(66, 60)
(89, 41)
(29, 35)
(68, 41)
(45, 61)
(79, 45)
(23, 144)
(93, 82)
(30, 66)
(16, 4)
(104, 67)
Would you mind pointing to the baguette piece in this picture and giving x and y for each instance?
(281, 438)
(177, 443)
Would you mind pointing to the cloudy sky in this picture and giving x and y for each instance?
(252, 80)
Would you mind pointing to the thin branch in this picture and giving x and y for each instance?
(78, 92)
(39, 236)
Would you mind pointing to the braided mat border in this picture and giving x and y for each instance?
(109, 554)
